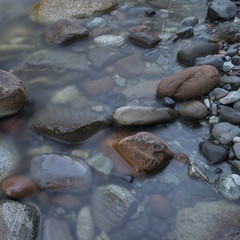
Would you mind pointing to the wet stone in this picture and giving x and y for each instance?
(228, 114)
(215, 61)
(60, 173)
(181, 159)
(161, 206)
(66, 200)
(96, 22)
(109, 41)
(185, 32)
(189, 21)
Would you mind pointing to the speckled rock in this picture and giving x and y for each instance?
(109, 41)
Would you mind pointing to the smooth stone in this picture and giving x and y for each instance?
(61, 173)
(209, 220)
(236, 148)
(220, 93)
(224, 132)
(144, 152)
(85, 224)
(18, 220)
(236, 139)
(232, 97)
(18, 187)
(233, 80)
(45, 10)
(110, 206)
(214, 109)
(236, 105)
(233, 50)
(96, 22)
(189, 21)
(213, 120)
(226, 67)
(228, 114)
(215, 61)
(187, 56)
(54, 229)
(101, 163)
(185, 32)
(207, 103)
(213, 153)
(67, 125)
(235, 60)
(141, 116)
(229, 185)
(144, 39)
(192, 109)
(109, 41)
(169, 102)
(221, 10)
(13, 94)
(189, 83)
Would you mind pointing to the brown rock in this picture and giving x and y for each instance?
(66, 200)
(189, 83)
(18, 187)
(65, 31)
(99, 86)
(139, 28)
(12, 94)
(181, 159)
(100, 31)
(144, 152)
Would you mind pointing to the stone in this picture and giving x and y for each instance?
(234, 81)
(54, 229)
(220, 93)
(161, 206)
(141, 116)
(189, 21)
(13, 94)
(109, 41)
(232, 97)
(185, 32)
(189, 83)
(187, 56)
(236, 105)
(60, 173)
(18, 187)
(215, 61)
(233, 50)
(45, 10)
(181, 159)
(65, 31)
(228, 32)
(66, 200)
(85, 224)
(67, 125)
(221, 10)
(96, 22)
(228, 114)
(224, 132)
(236, 148)
(192, 109)
(229, 185)
(144, 152)
(144, 39)
(140, 28)
(100, 31)
(18, 220)
(213, 153)
(235, 60)
(208, 220)
(111, 205)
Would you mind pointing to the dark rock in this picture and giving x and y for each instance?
(150, 13)
(60, 173)
(185, 32)
(235, 60)
(213, 153)
(187, 56)
(233, 50)
(228, 114)
(215, 61)
(189, 21)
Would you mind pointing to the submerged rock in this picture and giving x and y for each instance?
(109, 41)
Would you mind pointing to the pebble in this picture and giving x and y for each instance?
(214, 109)
(233, 50)
(220, 93)
(234, 81)
(232, 97)
(185, 32)
(235, 60)
(228, 114)
(109, 41)
(181, 159)
(189, 21)
(96, 22)
(213, 120)
(236, 139)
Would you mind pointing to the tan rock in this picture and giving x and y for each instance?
(189, 83)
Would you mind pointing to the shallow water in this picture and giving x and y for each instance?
(42, 84)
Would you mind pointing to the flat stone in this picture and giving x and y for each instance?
(215, 61)
(233, 80)
(60, 173)
(189, 83)
(109, 41)
(228, 114)
(220, 93)
(233, 50)
(141, 116)
(232, 97)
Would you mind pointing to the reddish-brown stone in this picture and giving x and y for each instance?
(181, 159)
(18, 187)
(66, 200)
(100, 31)
(189, 83)
(139, 28)
(144, 152)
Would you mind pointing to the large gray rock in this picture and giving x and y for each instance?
(18, 220)
(67, 125)
(215, 61)
(53, 10)
(141, 116)
(111, 205)
(61, 173)
(209, 220)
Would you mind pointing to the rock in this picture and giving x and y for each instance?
(209, 220)
(228, 114)
(85, 224)
(109, 41)
(215, 61)
(236, 105)
(192, 109)
(161, 206)
(229, 185)
(141, 116)
(181, 159)
(66, 124)
(221, 10)
(111, 205)
(187, 56)
(18, 187)
(232, 97)
(233, 80)
(139, 28)
(225, 132)
(18, 220)
(144, 39)
(60, 173)
(220, 93)
(228, 32)
(66, 201)
(213, 153)
(55, 229)
(144, 152)
(189, 21)
(233, 50)
(189, 83)
(13, 94)
(235, 60)
(45, 10)
(185, 32)
(236, 148)
(96, 22)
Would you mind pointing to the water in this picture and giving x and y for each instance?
(62, 70)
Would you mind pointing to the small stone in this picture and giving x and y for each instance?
(233, 50)
(213, 120)
(96, 22)
(228, 114)
(169, 102)
(185, 32)
(161, 206)
(139, 28)
(235, 60)
(189, 21)
(226, 68)
(220, 93)
(232, 97)
(150, 13)
(233, 80)
(236, 139)
(80, 154)
(181, 159)
(109, 41)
